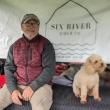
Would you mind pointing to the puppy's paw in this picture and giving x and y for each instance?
(97, 99)
(83, 101)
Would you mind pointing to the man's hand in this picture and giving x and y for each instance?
(27, 93)
(16, 96)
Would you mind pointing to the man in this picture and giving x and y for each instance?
(29, 68)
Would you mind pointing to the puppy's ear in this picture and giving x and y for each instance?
(88, 61)
(102, 70)
(89, 66)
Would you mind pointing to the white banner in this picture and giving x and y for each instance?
(76, 28)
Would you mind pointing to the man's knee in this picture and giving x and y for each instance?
(42, 98)
(5, 97)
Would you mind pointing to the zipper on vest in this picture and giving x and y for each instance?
(28, 58)
(27, 80)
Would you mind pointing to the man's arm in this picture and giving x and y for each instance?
(48, 63)
(9, 69)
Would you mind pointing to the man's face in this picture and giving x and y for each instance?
(30, 29)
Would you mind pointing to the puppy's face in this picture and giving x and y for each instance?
(96, 62)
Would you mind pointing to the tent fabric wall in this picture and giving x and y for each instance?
(12, 11)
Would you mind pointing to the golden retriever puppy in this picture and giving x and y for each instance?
(86, 80)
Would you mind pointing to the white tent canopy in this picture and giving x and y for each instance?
(77, 28)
